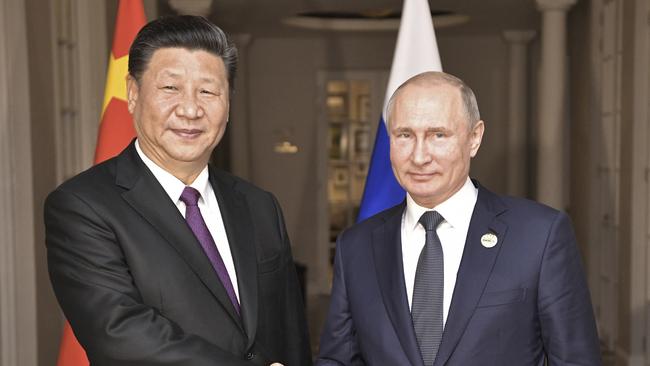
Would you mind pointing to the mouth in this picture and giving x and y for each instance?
(187, 133)
(421, 176)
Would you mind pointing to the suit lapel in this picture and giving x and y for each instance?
(147, 196)
(475, 269)
(239, 228)
(387, 252)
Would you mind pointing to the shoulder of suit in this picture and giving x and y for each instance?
(521, 207)
(366, 226)
(92, 179)
(232, 180)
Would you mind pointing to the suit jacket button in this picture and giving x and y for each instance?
(250, 355)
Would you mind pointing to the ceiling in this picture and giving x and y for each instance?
(259, 17)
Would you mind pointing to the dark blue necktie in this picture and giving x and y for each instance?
(428, 291)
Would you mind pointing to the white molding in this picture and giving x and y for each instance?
(18, 331)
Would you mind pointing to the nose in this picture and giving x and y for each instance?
(421, 154)
(189, 107)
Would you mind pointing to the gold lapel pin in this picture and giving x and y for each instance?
(489, 240)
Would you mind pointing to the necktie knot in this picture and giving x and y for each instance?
(430, 220)
(190, 196)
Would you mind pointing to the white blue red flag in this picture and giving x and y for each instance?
(416, 51)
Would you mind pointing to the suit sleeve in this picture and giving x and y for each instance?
(338, 343)
(297, 347)
(96, 291)
(565, 311)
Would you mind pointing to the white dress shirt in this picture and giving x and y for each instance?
(457, 211)
(208, 205)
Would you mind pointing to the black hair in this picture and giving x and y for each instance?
(182, 31)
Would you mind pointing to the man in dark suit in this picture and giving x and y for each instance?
(156, 257)
(455, 275)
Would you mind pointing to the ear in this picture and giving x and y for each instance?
(475, 137)
(132, 92)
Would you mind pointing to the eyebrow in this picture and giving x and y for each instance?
(172, 74)
(208, 79)
(429, 129)
(176, 75)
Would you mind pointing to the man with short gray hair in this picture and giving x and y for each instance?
(455, 274)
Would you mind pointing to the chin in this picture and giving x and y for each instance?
(188, 157)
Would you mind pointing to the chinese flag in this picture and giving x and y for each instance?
(115, 131)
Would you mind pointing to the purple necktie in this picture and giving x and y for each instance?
(190, 197)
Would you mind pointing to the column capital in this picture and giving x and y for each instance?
(519, 35)
(547, 5)
(191, 7)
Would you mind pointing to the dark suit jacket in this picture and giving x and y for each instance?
(138, 290)
(513, 303)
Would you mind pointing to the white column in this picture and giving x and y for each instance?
(517, 111)
(552, 85)
(240, 138)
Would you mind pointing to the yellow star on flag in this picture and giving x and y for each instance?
(116, 80)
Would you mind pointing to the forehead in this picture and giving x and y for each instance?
(428, 102)
(182, 61)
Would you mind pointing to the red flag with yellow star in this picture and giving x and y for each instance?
(115, 131)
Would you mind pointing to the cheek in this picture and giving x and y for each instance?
(442, 152)
(163, 108)
(400, 149)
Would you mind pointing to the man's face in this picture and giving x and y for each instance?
(431, 142)
(180, 107)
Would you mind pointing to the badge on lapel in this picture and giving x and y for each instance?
(489, 240)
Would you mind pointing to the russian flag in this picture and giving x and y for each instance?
(416, 51)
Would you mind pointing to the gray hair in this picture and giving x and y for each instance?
(435, 78)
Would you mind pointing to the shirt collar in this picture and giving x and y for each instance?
(457, 209)
(172, 185)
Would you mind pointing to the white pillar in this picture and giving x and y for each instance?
(517, 111)
(552, 86)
